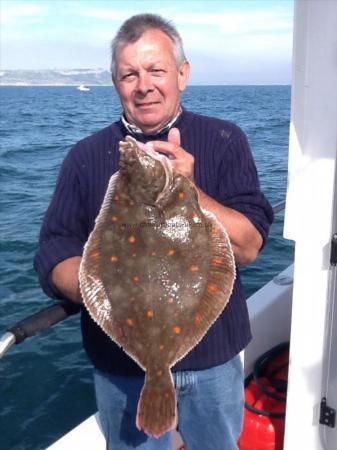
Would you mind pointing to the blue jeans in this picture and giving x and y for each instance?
(210, 409)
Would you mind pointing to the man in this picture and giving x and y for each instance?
(149, 71)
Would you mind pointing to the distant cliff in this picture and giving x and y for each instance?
(66, 77)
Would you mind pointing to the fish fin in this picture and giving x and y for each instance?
(108, 197)
(222, 270)
(157, 407)
(95, 298)
(220, 281)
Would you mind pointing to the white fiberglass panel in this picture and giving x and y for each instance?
(309, 221)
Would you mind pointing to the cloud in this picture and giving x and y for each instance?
(214, 32)
(227, 21)
(14, 14)
(229, 35)
(238, 22)
(105, 14)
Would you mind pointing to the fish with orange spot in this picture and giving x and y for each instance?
(95, 254)
(211, 288)
(179, 284)
(197, 318)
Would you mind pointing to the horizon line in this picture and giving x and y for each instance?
(111, 85)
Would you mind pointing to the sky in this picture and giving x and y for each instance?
(226, 41)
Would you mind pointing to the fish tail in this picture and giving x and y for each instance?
(157, 406)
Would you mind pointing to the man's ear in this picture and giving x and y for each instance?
(183, 74)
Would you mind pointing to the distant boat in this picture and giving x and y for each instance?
(83, 87)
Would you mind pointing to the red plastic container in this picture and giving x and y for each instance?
(261, 432)
(265, 395)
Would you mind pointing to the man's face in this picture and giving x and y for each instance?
(148, 81)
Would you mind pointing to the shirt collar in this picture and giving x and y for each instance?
(133, 129)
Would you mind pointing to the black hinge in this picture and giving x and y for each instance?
(333, 253)
(328, 415)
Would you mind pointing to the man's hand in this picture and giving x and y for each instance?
(182, 161)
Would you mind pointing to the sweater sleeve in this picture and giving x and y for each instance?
(63, 232)
(239, 186)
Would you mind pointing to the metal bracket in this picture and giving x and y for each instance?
(327, 415)
(333, 252)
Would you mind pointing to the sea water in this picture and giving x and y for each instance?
(46, 382)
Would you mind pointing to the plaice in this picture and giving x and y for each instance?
(156, 272)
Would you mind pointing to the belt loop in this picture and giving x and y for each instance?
(193, 378)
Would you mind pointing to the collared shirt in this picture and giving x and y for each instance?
(133, 129)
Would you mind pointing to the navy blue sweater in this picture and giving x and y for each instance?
(224, 169)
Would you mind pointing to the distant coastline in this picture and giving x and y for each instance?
(23, 84)
(75, 77)
(49, 77)
(111, 85)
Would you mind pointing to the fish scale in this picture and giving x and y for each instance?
(156, 272)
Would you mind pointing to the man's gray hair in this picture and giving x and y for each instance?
(134, 27)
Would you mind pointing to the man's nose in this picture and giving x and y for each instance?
(144, 83)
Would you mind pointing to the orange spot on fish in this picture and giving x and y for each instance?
(170, 300)
(131, 239)
(150, 313)
(194, 268)
(181, 195)
(170, 252)
(135, 279)
(211, 288)
(216, 262)
(161, 348)
(153, 253)
(95, 254)
(129, 322)
(167, 395)
(177, 330)
(114, 259)
(114, 219)
(116, 198)
(159, 373)
(197, 318)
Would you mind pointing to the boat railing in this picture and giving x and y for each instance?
(45, 318)
(279, 207)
